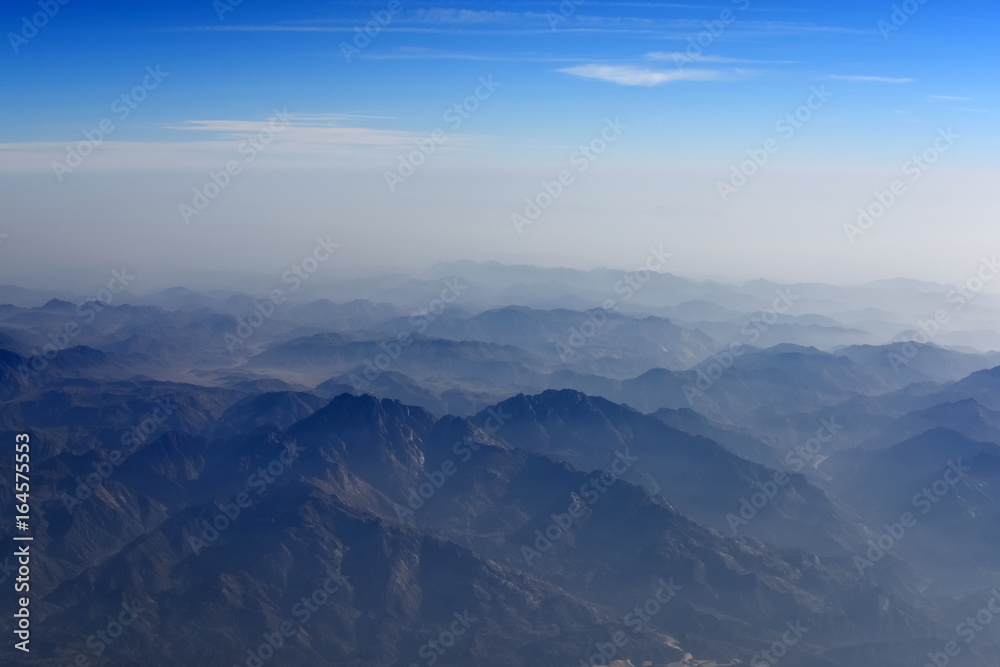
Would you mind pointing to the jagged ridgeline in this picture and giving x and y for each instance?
(361, 484)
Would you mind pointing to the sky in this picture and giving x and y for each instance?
(793, 141)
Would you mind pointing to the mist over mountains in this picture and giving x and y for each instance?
(509, 465)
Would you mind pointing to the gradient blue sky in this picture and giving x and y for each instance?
(686, 127)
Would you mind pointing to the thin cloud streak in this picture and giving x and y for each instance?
(870, 79)
(486, 57)
(674, 29)
(952, 98)
(680, 56)
(627, 75)
(312, 141)
(684, 57)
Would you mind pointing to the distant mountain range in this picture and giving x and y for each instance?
(518, 478)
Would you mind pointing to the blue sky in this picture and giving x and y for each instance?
(692, 112)
(289, 54)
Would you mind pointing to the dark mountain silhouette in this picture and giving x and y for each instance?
(335, 513)
(485, 488)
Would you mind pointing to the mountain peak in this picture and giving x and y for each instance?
(58, 305)
(348, 409)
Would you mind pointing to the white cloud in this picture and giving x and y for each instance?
(323, 140)
(416, 53)
(682, 57)
(318, 129)
(474, 22)
(952, 98)
(467, 16)
(870, 79)
(627, 75)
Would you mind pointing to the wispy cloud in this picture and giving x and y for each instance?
(306, 132)
(307, 140)
(951, 98)
(682, 57)
(419, 53)
(870, 79)
(687, 58)
(627, 75)
(649, 5)
(474, 22)
(471, 16)
(617, 4)
(318, 123)
(436, 29)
